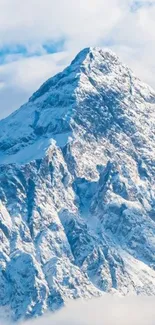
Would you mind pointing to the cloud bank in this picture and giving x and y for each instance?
(108, 310)
(31, 31)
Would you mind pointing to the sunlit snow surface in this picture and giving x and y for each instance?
(77, 180)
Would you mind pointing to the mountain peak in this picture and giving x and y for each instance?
(103, 60)
(91, 54)
(96, 84)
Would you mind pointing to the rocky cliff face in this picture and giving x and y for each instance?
(77, 188)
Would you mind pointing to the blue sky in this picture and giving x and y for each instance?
(137, 5)
(40, 37)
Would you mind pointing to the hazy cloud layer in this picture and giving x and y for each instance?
(30, 30)
(109, 310)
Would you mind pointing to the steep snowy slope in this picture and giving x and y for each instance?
(77, 188)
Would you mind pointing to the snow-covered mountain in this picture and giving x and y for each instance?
(77, 188)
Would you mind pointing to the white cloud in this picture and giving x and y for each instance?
(33, 21)
(126, 25)
(108, 310)
(19, 79)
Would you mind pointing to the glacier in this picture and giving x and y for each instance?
(77, 189)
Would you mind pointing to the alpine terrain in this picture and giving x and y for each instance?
(77, 189)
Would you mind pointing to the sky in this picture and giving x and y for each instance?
(38, 38)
